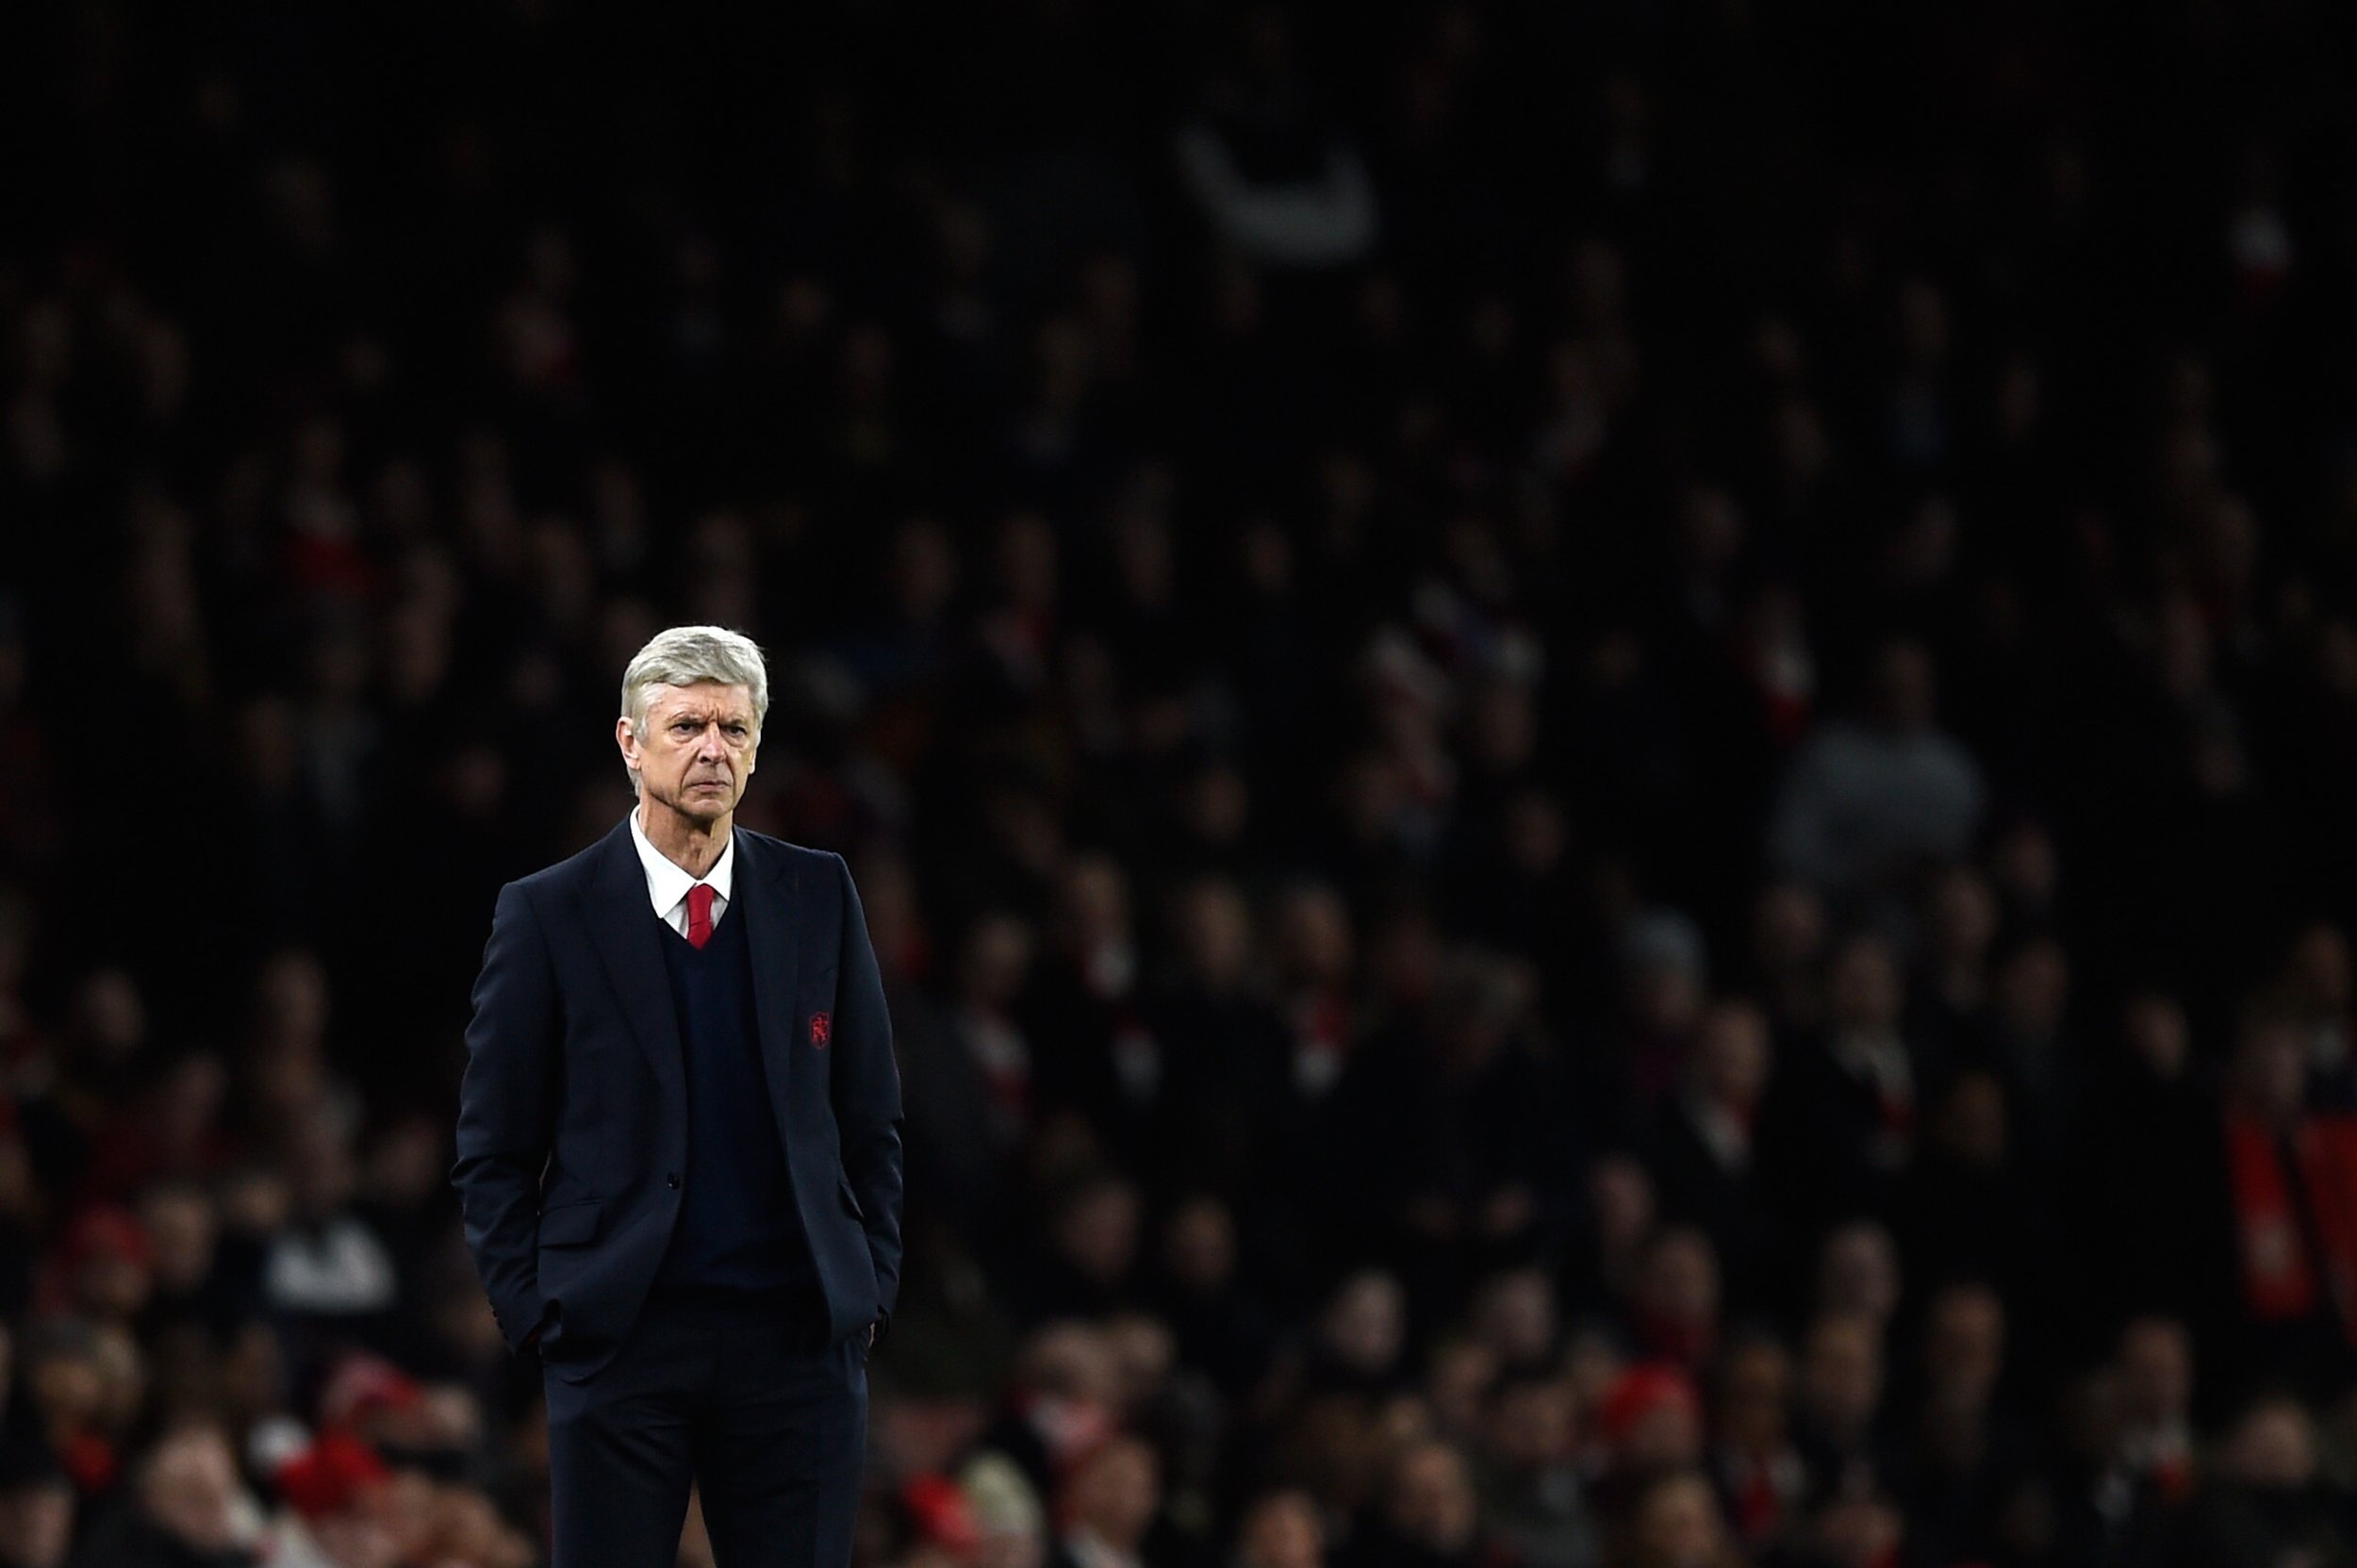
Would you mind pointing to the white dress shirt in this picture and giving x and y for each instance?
(667, 884)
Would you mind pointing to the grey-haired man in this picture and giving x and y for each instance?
(679, 1147)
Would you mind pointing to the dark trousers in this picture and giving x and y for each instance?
(734, 1396)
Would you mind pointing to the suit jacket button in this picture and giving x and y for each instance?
(670, 1179)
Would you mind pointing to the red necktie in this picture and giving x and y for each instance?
(699, 915)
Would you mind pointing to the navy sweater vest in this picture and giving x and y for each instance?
(738, 1230)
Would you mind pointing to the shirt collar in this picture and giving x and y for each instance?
(668, 883)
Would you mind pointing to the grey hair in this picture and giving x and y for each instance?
(682, 656)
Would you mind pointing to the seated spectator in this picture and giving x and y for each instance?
(1673, 1311)
(939, 1524)
(182, 1226)
(1106, 1506)
(2271, 1501)
(1010, 1526)
(1531, 1487)
(1459, 1375)
(1847, 1103)
(1837, 1422)
(2295, 1242)
(186, 1507)
(1513, 1318)
(1707, 1148)
(1223, 1329)
(1676, 1524)
(1063, 1402)
(1281, 1530)
(1281, 187)
(1858, 1273)
(1967, 1204)
(37, 1506)
(330, 1264)
(1090, 1267)
(1756, 1465)
(1650, 1422)
(2156, 1441)
(1361, 1336)
(1428, 1516)
(104, 1267)
(1968, 1463)
(1867, 801)
(65, 1402)
(1850, 1529)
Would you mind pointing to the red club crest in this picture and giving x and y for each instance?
(822, 1030)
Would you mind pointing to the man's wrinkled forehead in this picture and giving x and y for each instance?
(704, 702)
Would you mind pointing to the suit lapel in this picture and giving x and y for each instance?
(769, 893)
(623, 926)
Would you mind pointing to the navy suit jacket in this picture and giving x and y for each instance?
(572, 1117)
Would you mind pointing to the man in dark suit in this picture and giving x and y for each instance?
(679, 1147)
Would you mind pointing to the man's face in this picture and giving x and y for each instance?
(698, 750)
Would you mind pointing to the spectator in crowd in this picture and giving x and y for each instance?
(1678, 1525)
(36, 1508)
(1532, 1490)
(186, 1509)
(1707, 1149)
(1867, 803)
(1428, 1516)
(2155, 1363)
(1010, 1526)
(1840, 1403)
(2288, 1166)
(2270, 1501)
(1107, 1506)
(1758, 1469)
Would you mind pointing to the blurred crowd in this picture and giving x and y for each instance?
(1603, 754)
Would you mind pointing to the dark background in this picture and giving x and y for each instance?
(1648, 864)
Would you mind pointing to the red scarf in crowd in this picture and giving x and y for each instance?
(2281, 1280)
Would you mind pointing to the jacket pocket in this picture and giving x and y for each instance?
(570, 1223)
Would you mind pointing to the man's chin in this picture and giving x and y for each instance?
(704, 806)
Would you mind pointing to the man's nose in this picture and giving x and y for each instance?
(710, 746)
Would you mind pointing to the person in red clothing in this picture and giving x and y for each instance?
(2291, 1175)
(1759, 1468)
